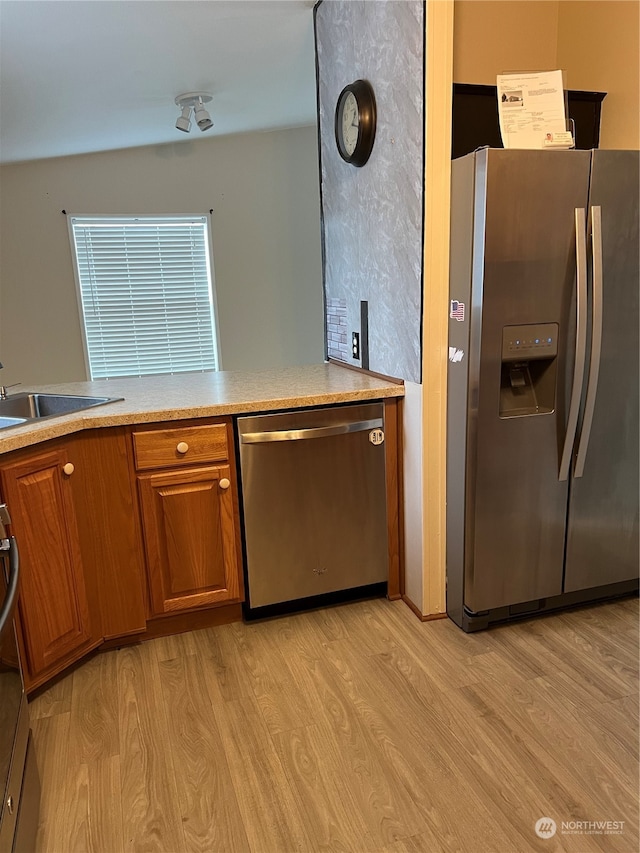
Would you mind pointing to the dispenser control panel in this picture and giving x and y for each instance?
(522, 343)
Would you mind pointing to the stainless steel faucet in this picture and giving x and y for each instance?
(3, 388)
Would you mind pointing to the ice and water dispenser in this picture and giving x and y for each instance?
(528, 369)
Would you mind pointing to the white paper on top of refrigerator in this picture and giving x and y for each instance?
(531, 109)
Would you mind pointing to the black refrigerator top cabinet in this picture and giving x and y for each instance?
(542, 450)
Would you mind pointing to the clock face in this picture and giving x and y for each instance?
(350, 123)
(355, 122)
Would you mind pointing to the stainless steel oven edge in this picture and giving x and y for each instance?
(19, 781)
(11, 802)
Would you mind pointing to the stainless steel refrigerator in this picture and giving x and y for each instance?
(542, 455)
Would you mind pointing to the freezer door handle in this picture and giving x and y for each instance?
(595, 231)
(311, 432)
(581, 341)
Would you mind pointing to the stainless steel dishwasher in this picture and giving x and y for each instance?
(314, 498)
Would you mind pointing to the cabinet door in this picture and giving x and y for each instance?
(190, 537)
(106, 508)
(53, 608)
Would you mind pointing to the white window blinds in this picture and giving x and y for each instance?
(146, 294)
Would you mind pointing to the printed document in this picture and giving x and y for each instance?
(531, 110)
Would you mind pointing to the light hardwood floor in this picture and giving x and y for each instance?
(355, 728)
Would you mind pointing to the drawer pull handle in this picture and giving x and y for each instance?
(182, 447)
(224, 483)
(69, 468)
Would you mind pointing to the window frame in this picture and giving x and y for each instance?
(148, 217)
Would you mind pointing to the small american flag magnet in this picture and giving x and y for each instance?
(457, 311)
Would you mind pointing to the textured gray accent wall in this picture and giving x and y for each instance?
(373, 215)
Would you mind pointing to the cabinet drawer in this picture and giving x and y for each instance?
(163, 448)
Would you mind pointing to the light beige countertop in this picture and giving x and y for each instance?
(200, 395)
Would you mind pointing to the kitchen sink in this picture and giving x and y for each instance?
(9, 422)
(20, 408)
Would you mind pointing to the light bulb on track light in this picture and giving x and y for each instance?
(202, 116)
(195, 101)
(184, 121)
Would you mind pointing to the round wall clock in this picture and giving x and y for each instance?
(355, 124)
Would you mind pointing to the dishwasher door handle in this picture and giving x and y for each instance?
(311, 432)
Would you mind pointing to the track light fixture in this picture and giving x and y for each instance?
(195, 101)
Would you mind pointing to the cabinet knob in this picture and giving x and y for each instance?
(10, 804)
(69, 468)
(224, 483)
(182, 447)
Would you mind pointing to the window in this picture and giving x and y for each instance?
(145, 293)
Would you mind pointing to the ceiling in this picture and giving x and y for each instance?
(94, 75)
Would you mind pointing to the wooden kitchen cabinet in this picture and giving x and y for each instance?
(110, 539)
(94, 568)
(188, 501)
(53, 608)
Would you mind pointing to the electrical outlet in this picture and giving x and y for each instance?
(355, 345)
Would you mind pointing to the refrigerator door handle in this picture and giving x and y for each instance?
(581, 341)
(595, 230)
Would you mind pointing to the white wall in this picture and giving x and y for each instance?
(412, 468)
(263, 189)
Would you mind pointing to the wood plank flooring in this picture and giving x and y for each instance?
(355, 728)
